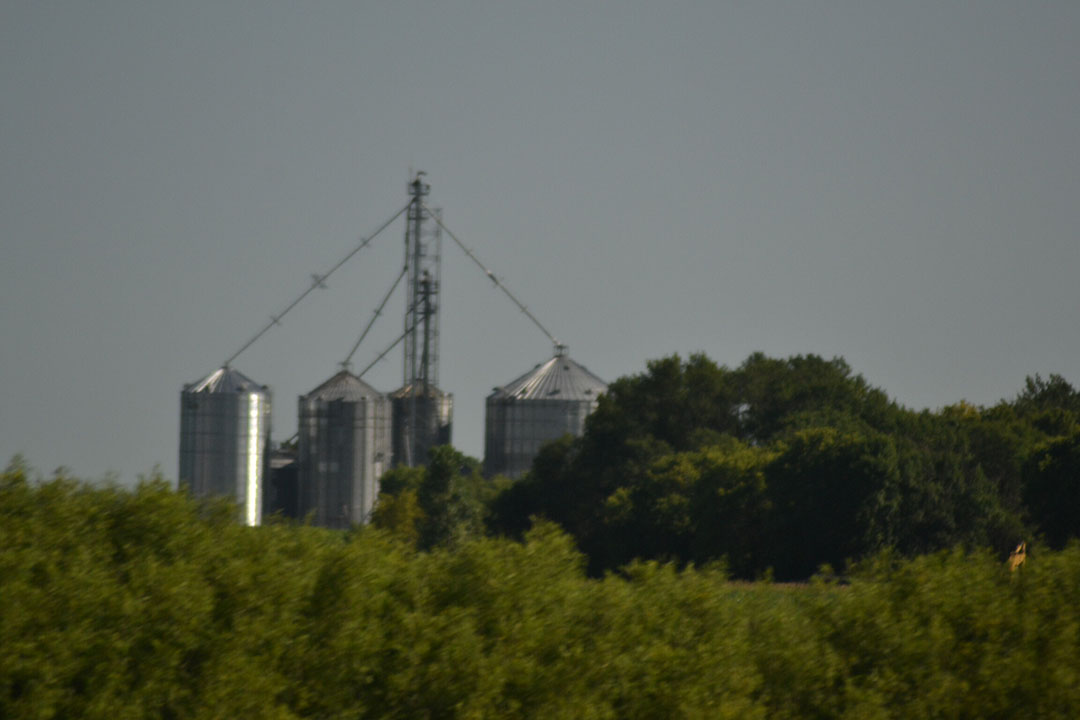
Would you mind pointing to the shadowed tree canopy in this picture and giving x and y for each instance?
(792, 463)
(437, 504)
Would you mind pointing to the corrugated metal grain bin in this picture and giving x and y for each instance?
(433, 411)
(552, 399)
(224, 439)
(344, 447)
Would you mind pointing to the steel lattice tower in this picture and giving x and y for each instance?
(423, 262)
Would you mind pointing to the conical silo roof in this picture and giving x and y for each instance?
(560, 378)
(343, 386)
(225, 380)
(406, 391)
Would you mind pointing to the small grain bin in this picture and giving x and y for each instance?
(344, 447)
(224, 439)
(552, 399)
(422, 420)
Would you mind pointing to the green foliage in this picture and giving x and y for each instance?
(785, 465)
(117, 604)
(1052, 405)
(438, 504)
(826, 488)
(700, 506)
(400, 514)
(1052, 488)
(805, 390)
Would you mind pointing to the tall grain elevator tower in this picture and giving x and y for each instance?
(421, 412)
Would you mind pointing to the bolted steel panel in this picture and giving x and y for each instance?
(224, 439)
(552, 399)
(434, 422)
(344, 447)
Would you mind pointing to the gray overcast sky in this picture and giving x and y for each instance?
(893, 182)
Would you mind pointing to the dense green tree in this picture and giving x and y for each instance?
(960, 480)
(452, 496)
(668, 403)
(147, 603)
(632, 486)
(435, 504)
(1052, 489)
(1053, 393)
(853, 470)
(826, 490)
(696, 506)
(805, 390)
(546, 491)
(399, 513)
(1052, 405)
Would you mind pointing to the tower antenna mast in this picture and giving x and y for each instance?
(423, 263)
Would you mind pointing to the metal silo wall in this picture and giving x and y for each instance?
(435, 424)
(344, 447)
(496, 444)
(516, 429)
(224, 439)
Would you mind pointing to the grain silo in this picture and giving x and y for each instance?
(552, 399)
(422, 420)
(344, 446)
(224, 438)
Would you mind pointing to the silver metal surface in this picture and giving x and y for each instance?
(423, 266)
(552, 399)
(433, 413)
(344, 447)
(224, 439)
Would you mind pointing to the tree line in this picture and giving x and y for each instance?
(600, 584)
(776, 467)
(148, 603)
